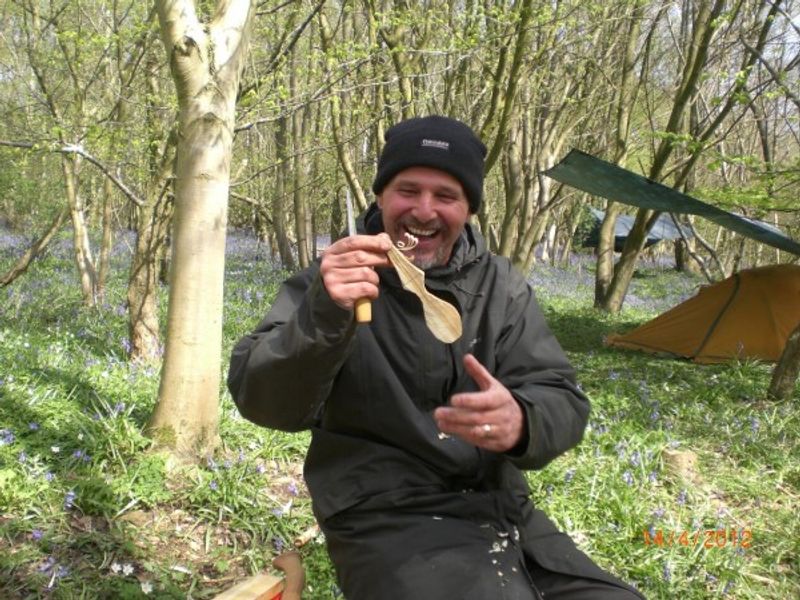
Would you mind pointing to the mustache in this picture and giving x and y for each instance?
(436, 224)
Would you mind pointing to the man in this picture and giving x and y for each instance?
(414, 463)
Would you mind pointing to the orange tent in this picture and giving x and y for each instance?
(748, 315)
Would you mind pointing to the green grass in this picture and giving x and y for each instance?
(87, 512)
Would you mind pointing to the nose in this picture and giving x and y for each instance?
(424, 209)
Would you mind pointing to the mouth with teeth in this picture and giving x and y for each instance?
(427, 251)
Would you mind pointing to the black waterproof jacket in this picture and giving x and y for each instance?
(367, 393)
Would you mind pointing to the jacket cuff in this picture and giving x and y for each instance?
(328, 318)
(523, 447)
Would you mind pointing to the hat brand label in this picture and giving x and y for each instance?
(435, 144)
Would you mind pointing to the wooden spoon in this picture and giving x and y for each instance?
(441, 317)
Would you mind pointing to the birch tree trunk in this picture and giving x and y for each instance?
(206, 62)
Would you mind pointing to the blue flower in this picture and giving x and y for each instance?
(659, 512)
(69, 499)
(33, 426)
(652, 477)
(49, 476)
(213, 485)
(568, 476)
(682, 497)
(22, 457)
(278, 543)
(37, 534)
(667, 574)
(47, 565)
(6, 437)
(261, 469)
(627, 477)
(292, 488)
(636, 458)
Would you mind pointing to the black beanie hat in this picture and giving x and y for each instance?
(437, 142)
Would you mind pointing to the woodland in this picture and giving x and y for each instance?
(170, 130)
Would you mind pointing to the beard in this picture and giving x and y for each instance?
(437, 259)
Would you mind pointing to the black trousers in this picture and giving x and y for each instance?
(389, 555)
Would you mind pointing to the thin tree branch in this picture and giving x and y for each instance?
(74, 149)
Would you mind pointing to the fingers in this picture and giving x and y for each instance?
(497, 431)
(490, 418)
(347, 268)
(478, 372)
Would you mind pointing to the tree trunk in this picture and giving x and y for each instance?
(206, 63)
(787, 370)
(152, 227)
(80, 232)
(108, 239)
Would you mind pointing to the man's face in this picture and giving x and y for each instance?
(430, 205)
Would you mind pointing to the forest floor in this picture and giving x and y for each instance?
(687, 482)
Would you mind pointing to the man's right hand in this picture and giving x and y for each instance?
(348, 267)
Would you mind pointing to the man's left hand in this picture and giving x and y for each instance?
(490, 418)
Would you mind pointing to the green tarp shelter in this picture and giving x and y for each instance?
(601, 178)
(663, 230)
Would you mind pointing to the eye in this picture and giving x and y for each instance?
(447, 196)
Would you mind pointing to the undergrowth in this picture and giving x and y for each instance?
(87, 511)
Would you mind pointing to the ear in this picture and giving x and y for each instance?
(379, 200)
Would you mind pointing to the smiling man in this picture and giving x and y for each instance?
(417, 450)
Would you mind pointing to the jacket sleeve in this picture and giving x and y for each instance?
(533, 366)
(281, 373)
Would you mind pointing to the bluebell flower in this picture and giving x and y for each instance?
(667, 574)
(636, 458)
(627, 477)
(33, 426)
(6, 437)
(69, 499)
(126, 345)
(652, 477)
(278, 544)
(659, 512)
(568, 476)
(292, 488)
(213, 485)
(22, 457)
(49, 476)
(37, 534)
(48, 564)
(728, 586)
(682, 497)
(261, 469)
(754, 425)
